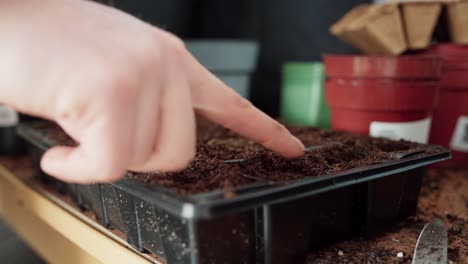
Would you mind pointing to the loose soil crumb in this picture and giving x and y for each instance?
(444, 194)
(209, 170)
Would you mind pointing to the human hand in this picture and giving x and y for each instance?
(126, 91)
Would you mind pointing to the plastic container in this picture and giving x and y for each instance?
(10, 143)
(264, 222)
(448, 49)
(456, 78)
(303, 95)
(230, 60)
(383, 108)
(382, 96)
(450, 125)
(378, 67)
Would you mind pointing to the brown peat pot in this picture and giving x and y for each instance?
(389, 97)
(450, 123)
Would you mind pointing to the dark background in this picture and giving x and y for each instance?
(287, 30)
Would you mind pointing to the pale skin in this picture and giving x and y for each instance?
(126, 91)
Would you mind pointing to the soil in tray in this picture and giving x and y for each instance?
(443, 195)
(225, 160)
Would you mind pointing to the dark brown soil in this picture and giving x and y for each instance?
(443, 195)
(225, 160)
(210, 171)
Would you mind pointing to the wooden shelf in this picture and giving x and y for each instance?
(54, 231)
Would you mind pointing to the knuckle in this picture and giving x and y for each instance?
(175, 46)
(266, 142)
(277, 130)
(107, 79)
(175, 41)
(118, 91)
(70, 108)
(110, 78)
(149, 56)
(240, 102)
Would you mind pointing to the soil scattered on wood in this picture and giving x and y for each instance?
(444, 195)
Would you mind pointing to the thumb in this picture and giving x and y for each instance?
(70, 164)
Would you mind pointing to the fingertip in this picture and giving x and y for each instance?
(53, 160)
(292, 149)
(300, 148)
(71, 165)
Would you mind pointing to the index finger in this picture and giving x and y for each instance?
(216, 101)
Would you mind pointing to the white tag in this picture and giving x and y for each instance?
(416, 131)
(460, 135)
(8, 116)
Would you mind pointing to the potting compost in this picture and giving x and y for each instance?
(226, 160)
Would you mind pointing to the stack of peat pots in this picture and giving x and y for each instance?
(450, 124)
(383, 96)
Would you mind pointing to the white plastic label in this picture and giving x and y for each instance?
(8, 116)
(416, 131)
(460, 135)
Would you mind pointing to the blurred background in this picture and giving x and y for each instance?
(295, 30)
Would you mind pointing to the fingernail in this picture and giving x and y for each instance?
(299, 144)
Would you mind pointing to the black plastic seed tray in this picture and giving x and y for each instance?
(263, 223)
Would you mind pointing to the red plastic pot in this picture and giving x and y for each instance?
(390, 108)
(454, 79)
(372, 67)
(449, 49)
(450, 125)
(455, 64)
(455, 57)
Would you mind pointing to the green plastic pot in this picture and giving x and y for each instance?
(303, 95)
